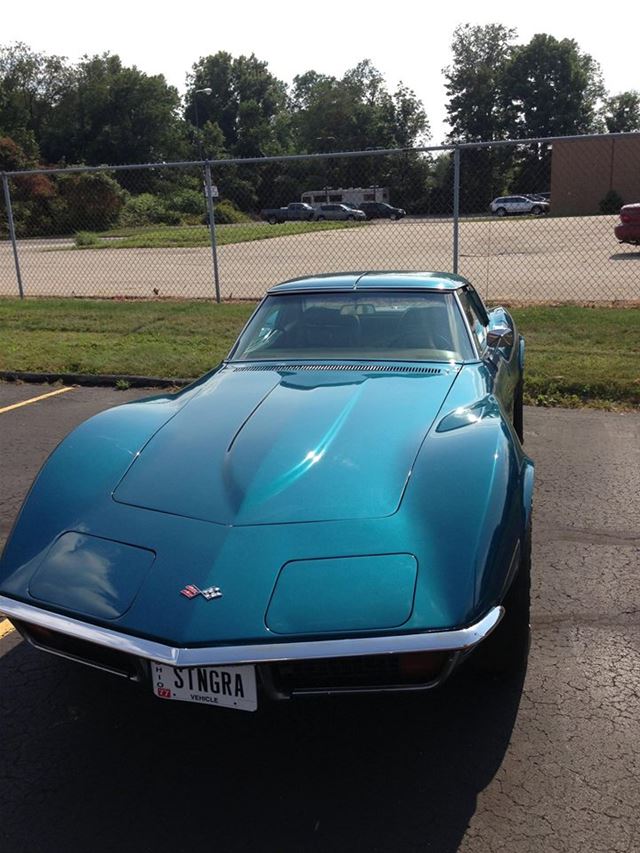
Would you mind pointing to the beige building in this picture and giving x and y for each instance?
(584, 170)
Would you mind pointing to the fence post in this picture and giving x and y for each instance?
(456, 205)
(12, 231)
(212, 229)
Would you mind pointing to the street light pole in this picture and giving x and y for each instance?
(324, 140)
(206, 91)
(208, 192)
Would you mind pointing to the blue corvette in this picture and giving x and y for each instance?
(343, 505)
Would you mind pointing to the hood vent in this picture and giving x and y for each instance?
(360, 368)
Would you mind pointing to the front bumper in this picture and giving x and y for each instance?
(103, 647)
(628, 232)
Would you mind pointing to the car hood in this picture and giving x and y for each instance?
(262, 444)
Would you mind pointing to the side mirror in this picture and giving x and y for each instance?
(500, 336)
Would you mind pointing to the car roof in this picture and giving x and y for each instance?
(349, 281)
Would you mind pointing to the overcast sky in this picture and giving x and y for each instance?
(407, 41)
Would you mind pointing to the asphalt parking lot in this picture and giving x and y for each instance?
(514, 258)
(89, 763)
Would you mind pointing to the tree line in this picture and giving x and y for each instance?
(99, 111)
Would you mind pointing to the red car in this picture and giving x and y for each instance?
(628, 231)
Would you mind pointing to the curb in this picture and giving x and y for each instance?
(98, 380)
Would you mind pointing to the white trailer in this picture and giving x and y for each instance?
(350, 195)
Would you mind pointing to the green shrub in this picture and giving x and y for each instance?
(226, 213)
(171, 217)
(147, 209)
(86, 238)
(190, 202)
(611, 203)
(31, 195)
(89, 201)
(241, 191)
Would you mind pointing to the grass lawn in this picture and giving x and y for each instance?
(174, 339)
(575, 355)
(193, 236)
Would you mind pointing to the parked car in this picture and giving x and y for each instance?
(628, 230)
(518, 205)
(338, 212)
(343, 505)
(539, 196)
(293, 212)
(381, 210)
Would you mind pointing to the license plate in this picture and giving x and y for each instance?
(224, 686)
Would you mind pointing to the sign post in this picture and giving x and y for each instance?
(211, 192)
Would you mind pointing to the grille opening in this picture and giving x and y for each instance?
(82, 651)
(371, 671)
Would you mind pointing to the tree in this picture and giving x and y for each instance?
(254, 115)
(213, 140)
(331, 118)
(622, 112)
(476, 108)
(245, 115)
(499, 90)
(409, 119)
(31, 87)
(89, 201)
(95, 112)
(30, 194)
(305, 87)
(355, 112)
(245, 103)
(113, 114)
(551, 88)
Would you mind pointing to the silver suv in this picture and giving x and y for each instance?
(518, 204)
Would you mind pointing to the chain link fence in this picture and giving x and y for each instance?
(525, 221)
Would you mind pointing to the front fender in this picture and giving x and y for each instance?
(472, 485)
(77, 480)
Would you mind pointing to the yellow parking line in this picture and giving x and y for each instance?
(5, 628)
(34, 399)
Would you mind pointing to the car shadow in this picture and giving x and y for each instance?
(93, 763)
(625, 256)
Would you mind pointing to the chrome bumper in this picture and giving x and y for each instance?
(459, 640)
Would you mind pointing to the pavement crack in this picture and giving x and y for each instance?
(592, 537)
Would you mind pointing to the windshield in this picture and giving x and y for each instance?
(423, 326)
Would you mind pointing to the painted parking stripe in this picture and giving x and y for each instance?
(35, 399)
(5, 628)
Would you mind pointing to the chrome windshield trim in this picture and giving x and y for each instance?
(381, 288)
(461, 639)
(467, 325)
